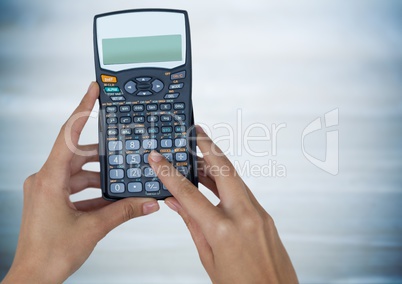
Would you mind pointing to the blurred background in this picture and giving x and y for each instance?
(267, 62)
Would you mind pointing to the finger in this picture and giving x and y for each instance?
(203, 248)
(83, 180)
(190, 198)
(201, 164)
(67, 141)
(91, 204)
(209, 183)
(79, 160)
(116, 213)
(230, 186)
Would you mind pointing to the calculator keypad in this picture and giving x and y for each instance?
(136, 128)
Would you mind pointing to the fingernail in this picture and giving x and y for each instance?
(150, 207)
(199, 129)
(155, 156)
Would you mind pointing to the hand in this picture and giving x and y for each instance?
(236, 240)
(56, 235)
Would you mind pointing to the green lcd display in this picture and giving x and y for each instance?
(148, 49)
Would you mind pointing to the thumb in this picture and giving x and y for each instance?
(115, 214)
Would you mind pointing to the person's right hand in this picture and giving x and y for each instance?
(236, 240)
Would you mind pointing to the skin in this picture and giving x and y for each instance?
(236, 240)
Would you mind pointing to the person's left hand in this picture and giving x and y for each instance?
(56, 235)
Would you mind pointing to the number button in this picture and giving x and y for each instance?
(149, 172)
(152, 186)
(134, 173)
(115, 160)
(134, 187)
(115, 145)
(116, 174)
(133, 159)
(150, 144)
(117, 187)
(132, 145)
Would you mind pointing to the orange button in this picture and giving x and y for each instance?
(108, 79)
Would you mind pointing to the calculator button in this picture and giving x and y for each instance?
(165, 118)
(181, 157)
(108, 79)
(149, 144)
(117, 187)
(138, 108)
(139, 130)
(166, 107)
(178, 106)
(116, 174)
(115, 145)
(180, 142)
(133, 159)
(157, 86)
(125, 108)
(167, 129)
(172, 96)
(111, 120)
(139, 119)
(118, 99)
(134, 173)
(183, 170)
(166, 143)
(125, 120)
(152, 107)
(132, 145)
(111, 109)
(115, 160)
(164, 187)
(112, 132)
(144, 93)
(180, 117)
(148, 172)
(178, 75)
(176, 86)
(153, 130)
(109, 90)
(130, 87)
(152, 118)
(126, 131)
(143, 79)
(152, 186)
(179, 129)
(146, 158)
(134, 187)
(168, 156)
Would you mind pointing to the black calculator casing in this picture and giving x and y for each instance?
(146, 129)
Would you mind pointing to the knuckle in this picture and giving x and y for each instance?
(186, 189)
(129, 212)
(224, 230)
(268, 221)
(252, 222)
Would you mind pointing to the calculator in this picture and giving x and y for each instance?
(143, 68)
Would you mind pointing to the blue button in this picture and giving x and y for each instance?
(112, 89)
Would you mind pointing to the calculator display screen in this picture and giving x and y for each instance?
(147, 49)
